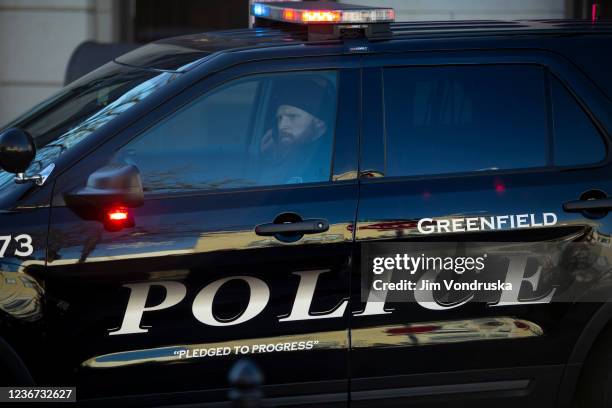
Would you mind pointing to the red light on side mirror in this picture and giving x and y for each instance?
(118, 214)
(118, 218)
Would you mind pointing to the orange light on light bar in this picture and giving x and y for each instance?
(289, 14)
(321, 16)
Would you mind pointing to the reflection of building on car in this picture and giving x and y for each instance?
(215, 191)
(446, 332)
(20, 296)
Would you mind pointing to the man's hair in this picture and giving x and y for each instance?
(314, 94)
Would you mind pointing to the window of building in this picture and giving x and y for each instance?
(152, 20)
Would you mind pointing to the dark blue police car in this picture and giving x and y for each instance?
(204, 199)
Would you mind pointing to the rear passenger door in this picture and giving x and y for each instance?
(462, 135)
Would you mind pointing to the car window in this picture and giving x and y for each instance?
(268, 129)
(84, 106)
(577, 141)
(455, 119)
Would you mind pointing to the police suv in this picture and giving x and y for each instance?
(203, 202)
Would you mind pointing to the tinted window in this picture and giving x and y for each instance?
(455, 119)
(260, 130)
(577, 141)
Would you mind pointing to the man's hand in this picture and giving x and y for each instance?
(267, 143)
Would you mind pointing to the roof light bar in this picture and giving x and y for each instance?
(314, 14)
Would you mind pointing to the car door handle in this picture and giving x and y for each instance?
(313, 226)
(586, 205)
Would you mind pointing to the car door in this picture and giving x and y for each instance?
(225, 260)
(463, 135)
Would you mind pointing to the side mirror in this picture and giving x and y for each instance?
(113, 185)
(17, 150)
(108, 194)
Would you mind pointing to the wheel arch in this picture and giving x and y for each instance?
(598, 323)
(16, 368)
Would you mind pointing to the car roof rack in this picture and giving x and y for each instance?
(323, 20)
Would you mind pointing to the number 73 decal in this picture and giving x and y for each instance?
(23, 241)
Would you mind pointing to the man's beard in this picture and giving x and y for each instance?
(290, 143)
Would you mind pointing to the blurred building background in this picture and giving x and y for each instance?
(38, 37)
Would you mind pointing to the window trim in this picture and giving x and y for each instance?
(550, 120)
(550, 76)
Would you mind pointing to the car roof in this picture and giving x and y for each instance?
(173, 54)
(487, 28)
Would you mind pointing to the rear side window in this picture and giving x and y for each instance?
(455, 119)
(577, 141)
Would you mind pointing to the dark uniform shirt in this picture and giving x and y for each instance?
(304, 164)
